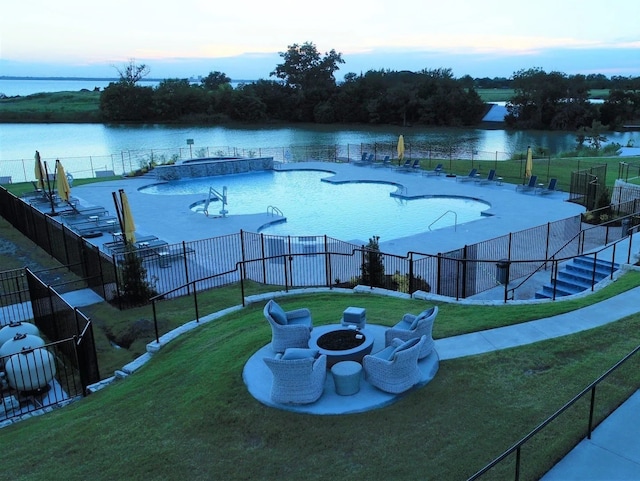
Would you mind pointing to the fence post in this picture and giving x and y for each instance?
(186, 265)
(195, 301)
(411, 281)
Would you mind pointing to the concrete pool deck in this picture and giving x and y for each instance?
(169, 217)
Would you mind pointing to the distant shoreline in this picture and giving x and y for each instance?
(99, 79)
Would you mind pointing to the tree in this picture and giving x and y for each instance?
(177, 98)
(311, 78)
(132, 72)
(124, 102)
(214, 80)
(303, 67)
(593, 135)
(372, 267)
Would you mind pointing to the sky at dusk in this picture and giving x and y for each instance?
(494, 38)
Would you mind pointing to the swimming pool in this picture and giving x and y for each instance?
(350, 211)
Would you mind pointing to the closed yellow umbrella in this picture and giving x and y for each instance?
(62, 184)
(128, 227)
(401, 148)
(39, 171)
(528, 168)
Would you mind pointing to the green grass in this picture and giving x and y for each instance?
(82, 106)
(495, 95)
(545, 168)
(21, 188)
(188, 415)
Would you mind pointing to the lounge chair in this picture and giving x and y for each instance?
(386, 162)
(491, 177)
(395, 368)
(288, 329)
(531, 185)
(299, 376)
(412, 327)
(406, 165)
(410, 166)
(473, 173)
(552, 187)
(367, 159)
(439, 169)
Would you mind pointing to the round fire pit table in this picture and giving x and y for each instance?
(341, 344)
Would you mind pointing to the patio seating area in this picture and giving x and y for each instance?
(293, 373)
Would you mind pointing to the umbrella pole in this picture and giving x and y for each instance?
(119, 214)
(53, 208)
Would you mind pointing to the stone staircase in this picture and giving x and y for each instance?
(577, 276)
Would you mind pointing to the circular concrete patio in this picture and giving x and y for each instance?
(258, 379)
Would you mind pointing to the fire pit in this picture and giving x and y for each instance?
(340, 343)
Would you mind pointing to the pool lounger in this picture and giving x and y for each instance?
(171, 253)
(83, 213)
(142, 248)
(109, 224)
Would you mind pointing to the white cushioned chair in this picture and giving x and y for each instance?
(412, 326)
(395, 368)
(298, 376)
(288, 329)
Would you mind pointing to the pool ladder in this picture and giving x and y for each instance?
(455, 216)
(222, 197)
(273, 210)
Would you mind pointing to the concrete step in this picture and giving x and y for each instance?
(577, 276)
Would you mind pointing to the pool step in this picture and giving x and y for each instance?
(577, 276)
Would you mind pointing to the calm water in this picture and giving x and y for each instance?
(12, 88)
(342, 211)
(84, 148)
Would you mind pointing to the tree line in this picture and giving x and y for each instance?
(305, 90)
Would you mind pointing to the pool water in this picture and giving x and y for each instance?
(351, 211)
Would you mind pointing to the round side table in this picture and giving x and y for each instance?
(346, 376)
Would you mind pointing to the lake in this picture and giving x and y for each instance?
(84, 148)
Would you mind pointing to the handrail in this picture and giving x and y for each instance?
(273, 210)
(591, 388)
(552, 258)
(455, 226)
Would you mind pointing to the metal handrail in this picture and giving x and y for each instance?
(455, 225)
(591, 388)
(553, 259)
(273, 210)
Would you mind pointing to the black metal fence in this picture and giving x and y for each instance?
(320, 261)
(14, 296)
(588, 186)
(624, 378)
(59, 321)
(38, 378)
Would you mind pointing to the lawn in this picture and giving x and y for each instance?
(187, 414)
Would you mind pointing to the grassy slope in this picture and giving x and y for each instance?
(82, 106)
(187, 414)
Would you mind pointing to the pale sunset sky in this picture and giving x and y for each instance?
(491, 38)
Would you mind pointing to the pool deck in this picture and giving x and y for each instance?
(170, 218)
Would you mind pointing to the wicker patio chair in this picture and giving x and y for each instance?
(411, 327)
(297, 380)
(288, 329)
(395, 368)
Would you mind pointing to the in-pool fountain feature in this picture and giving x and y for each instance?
(345, 211)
